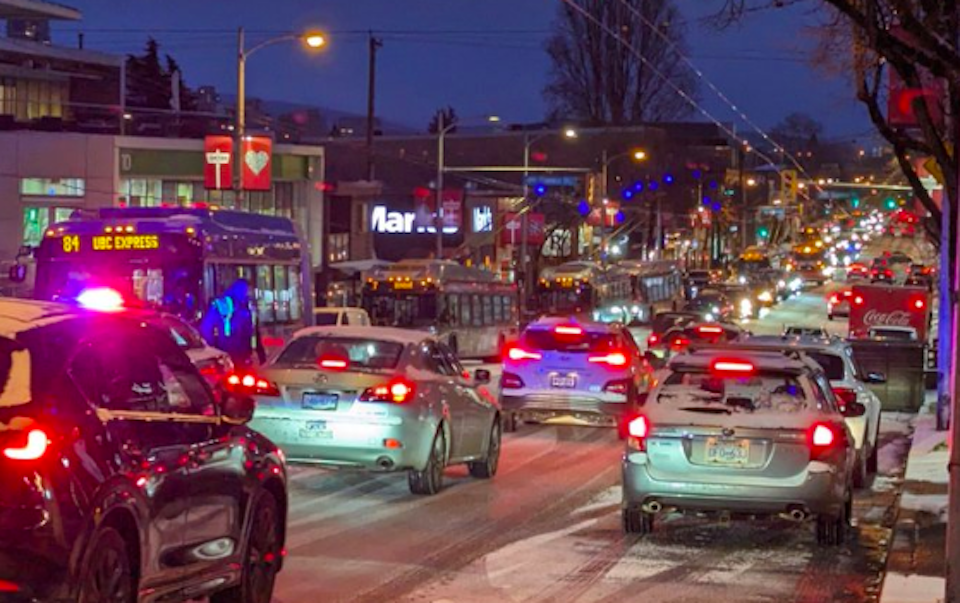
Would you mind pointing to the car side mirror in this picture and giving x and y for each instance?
(236, 408)
(854, 409)
(18, 273)
(481, 376)
(876, 378)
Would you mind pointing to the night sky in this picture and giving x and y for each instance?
(480, 56)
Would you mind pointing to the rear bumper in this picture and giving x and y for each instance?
(580, 404)
(821, 492)
(353, 444)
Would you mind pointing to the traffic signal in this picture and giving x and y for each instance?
(855, 202)
(890, 203)
(763, 232)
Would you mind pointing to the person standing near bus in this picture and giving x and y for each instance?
(230, 324)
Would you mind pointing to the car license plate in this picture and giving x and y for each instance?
(728, 452)
(313, 430)
(315, 401)
(565, 381)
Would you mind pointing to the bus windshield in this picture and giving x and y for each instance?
(410, 310)
(562, 300)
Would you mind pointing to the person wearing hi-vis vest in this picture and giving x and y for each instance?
(230, 324)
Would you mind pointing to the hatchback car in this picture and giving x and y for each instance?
(379, 399)
(736, 432)
(561, 367)
(711, 305)
(123, 476)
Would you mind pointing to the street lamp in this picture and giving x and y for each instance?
(605, 161)
(313, 40)
(442, 130)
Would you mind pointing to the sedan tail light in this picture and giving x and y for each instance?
(621, 386)
(824, 439)
(251, 384)
(28, 445)
(637, 431)
(334, 363)
(845, 396)
(398, 391)
(653, 340)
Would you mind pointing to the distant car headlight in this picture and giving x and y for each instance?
(715, 310)
(765, 297)
(708, 317)
(746, 307)
(796, 284)
(742, 280)
(781, 284)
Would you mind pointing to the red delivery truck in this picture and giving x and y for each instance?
(889, 306)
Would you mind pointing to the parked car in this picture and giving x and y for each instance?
(564, 367)
(380, 399)
(340, 316)
(121, 471)
(740, 432)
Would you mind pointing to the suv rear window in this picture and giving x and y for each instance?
(362, 354)
(831, 363)
(710, 393)
(548, 341)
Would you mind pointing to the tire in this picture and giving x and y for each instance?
(636, 521)
(262, 556)
(108, 574)
(487, 468)
(832, 529)
(510, 422)
(429, 481)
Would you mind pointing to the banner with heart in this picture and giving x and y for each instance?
(257, 159)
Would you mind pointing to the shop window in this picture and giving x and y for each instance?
(339, 247)
(138, 192)
(52, 187)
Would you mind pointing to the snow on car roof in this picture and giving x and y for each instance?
(796, 343)
(403, 336)
(548, 322)
(18, 315)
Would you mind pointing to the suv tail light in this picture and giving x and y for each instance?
(398, 391)
(510, 381)
(824, 439)
(845, 396)
(612, 359)
(517, 354)
(251, 384)
(679, 342)
(637, 431)
(28, 445)
(620, 386)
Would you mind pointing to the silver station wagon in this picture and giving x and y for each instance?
(379, 399)
(736, 432)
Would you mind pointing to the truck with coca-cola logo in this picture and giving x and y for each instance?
(889, 306)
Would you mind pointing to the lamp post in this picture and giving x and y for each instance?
(637, 155)
(313, 40)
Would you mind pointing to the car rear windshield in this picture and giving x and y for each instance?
(361, 354)
(547, 340)
(325, 319)
(831, 363)
(664, 322)
(713, 393)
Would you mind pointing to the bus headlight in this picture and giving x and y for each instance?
(765, 297)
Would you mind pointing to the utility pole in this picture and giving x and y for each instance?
(741, 156)
(241, 115)
(374, 45)
(524, 227)
(441, 132)
(603, 206)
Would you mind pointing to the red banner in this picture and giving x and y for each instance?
(257, 159)
(425, 200)
(511, 233)
(218, 162)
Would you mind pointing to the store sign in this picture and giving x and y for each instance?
(257, 153)
(482, 219)
(383, 220)
(511, 233)
(218, 162)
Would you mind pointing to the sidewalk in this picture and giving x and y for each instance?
(915, 566)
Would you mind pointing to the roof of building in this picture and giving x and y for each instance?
(37, 9)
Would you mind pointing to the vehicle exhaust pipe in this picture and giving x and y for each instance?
(654, 506)
(385, 462)
(795, 514)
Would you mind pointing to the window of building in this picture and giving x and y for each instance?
(339, 249)
(139, 192)
(36, 220)
(33, 99)
(52, 187)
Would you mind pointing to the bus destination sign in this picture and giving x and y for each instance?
(111, 242)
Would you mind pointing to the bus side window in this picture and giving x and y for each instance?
(497, 309)
(453, 309)
(487, 310)
(477, 311)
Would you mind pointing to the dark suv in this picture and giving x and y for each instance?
(123, 475)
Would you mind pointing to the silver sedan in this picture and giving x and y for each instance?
(378, 399)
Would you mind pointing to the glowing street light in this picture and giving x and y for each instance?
(314, 40)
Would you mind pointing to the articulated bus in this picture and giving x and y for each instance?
(657, 287)
(586, 288)
(178, 260)
(475, 312)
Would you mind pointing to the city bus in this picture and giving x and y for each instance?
(472, 310)
(657, 287)
(586, 288)
(177, 260)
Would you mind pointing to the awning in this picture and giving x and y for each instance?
(361, 265)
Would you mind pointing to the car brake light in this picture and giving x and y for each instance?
(516, 353)
(397, 391)
(834, 300)
(617, 359)
(679, 342)
(653, 340)
(709, 330)
(250, 383)
(33, 446)
(510, 381)
(845, 396)
(568, 330)
(101, 299)
(637, 431)
(617, 387)
(336, 364)
(822, 436)
(732, 366)
(8, 587)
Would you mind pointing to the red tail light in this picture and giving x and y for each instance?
(732, 366)
(834, 300)
(32, 445)
(510, 381)
(845, 396)
(397, 391)
(858, 300)
(517, 354)
(823, 439)
(568, 330)
(614, 359)
(617, 387)
(680, 342)
(334, 364)
(8, 587)
(637, 431)
(653, 340)
(709, 330)
(919, 304)
(251, 384)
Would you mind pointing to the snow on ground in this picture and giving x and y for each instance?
(934, 504)
(898, 588)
